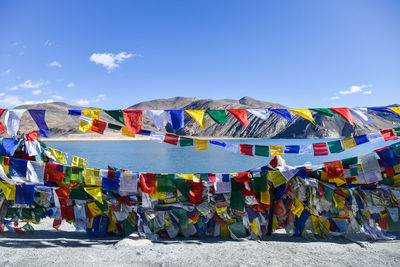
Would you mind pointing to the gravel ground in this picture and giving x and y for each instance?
(68, 248)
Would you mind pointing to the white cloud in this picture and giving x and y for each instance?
(4, 73)
(49, 43)
(109, 60)
(2, 94)
(71, 85)
(30, 84)
(99, 98)
(368, 92)
(334, 97)
(354, 89)
(54, 64)
(36, 92)
(32, 102)
(13, 88)
(10, 101)
(82, 102)
(57, 97)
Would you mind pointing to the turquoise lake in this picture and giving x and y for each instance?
(147, 156)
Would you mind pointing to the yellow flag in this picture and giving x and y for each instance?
(276, 150)
(349, 143)
(5, 167)
(86, 126)
(95, 192)
(254, 227)
(159, 195)
(297, 208)
(78, 162)
(59, 155)
(193, 177)
(198, 116)
(339, 201)
(316, 225)
(395, 109)
(200, 144)
(8, 190)
(303, 112)
(276, 178)
(265, 197)
(94, 209)
(92, 177)
(126, 132)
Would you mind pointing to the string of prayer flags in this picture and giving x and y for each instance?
(175, 118)
(344, 113)
(157, 116)
(384, 110)
(240, 115)
(260, 113)
(39, 117)
(198, 116)
(246, 149)
(362, 114)
(219, 116)
(284, 113)
(2, 127)
(133, 120)
(117, 115)
(320, 149)
(200, 144)
(12, 119)
(85, 126)
(171, 139)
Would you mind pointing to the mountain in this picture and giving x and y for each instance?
(63, 125)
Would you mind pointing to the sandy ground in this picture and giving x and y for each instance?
(68, 248)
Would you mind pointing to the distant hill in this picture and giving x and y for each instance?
(63, 125)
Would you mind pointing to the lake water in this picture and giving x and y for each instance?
(147, 156)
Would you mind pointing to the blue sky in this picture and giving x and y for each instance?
(113, 54)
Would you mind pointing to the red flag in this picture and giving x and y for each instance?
(388, 134)
(344, 113)
(148, 183)
(246, 149)
(334, 169)
(171, 139)
(133, 120)
(320, 149)
(98, 126)
(32, 136)
(240, 115)
(196, 192)
(2, 128)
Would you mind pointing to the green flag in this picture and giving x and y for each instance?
(114, 126)
(237, 198)
(219, 116)
(335, 146)
(165, 182)
(261, 151)
(349, 161)
(260, 183)
(73, 174)
(323, 111)
(117, 115)
(183, 141)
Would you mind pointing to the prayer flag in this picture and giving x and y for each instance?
(260, 113)
(117, 115)
(232, 147)
(74, 112)
(261, 151)
(348, 143)
(133, 120)
(375, 137)
(335, 146)
(78, 162)
(148, 183)
(198, 116)
(165, 182)
(175, 118)
(2, 128)
(362, 114)
(92, 177)
(276, 178)
(129, 182)
(157, 116)
(276, 150)
(127, 132)
(200, 144)
(344, 113)
(96, 193)
(370, 167)
(397, 130)
(35, 172)
(219, 116)
(8, 190)
(12, 119)
(98, 126)
(306, 149)
(384, 110)
(396, 110)
(246, 149)
(54, 172)
(184, 141)
(157, 137)
(361, 139)
(334, 172)
(323, 111)
(114, 126)
(85, 126)
(320, 149)
(305, 113)
(240, 115)
(292, 149)
(58, 155)
(284, 113)
(39, 117)
(388, 135)
(171, 139)
(8, 146)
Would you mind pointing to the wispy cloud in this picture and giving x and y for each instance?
(36, 92)
(110, 61)
(334, 97)
(32, 102)
(70, 85)
(49, 43)
(355, 89)
(54, 64)
(368, 92)
(9, 101)
(29, 84)
(13, 88)
(5, 73)
(86, 102)
(57, 97)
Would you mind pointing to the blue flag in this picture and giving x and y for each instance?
(284, 113)
(38, 116)
(175, 118)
